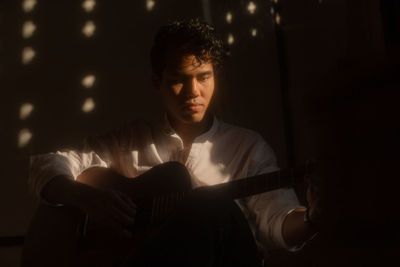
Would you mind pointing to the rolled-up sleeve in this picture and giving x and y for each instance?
(70, 163)
(110, 150)
(96, 151)
(267, 211)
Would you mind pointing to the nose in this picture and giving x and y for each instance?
(192, 88)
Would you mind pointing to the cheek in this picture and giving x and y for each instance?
(209, 92)
(170, 91)
(171, 96)
(175, 90)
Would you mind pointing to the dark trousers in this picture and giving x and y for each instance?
(205, 230)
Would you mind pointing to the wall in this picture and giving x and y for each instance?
(340, 58)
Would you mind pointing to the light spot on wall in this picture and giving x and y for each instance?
(28, 54)
(89, 28)
(88, 105)
(231, 39)
(150, 5)
(320, 1)
(88, 81)
(28, 5)
(28, 29)
(24, 137)
(251, 7)
(25, 110)
(272, 11)
(88, 5)
(253, 32)
(278, 19)
(228, 17)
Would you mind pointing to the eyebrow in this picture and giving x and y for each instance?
(208, 72)
(178, 73)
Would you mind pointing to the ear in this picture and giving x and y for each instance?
(156, 81)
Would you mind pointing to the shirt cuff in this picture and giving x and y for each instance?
(286, 246)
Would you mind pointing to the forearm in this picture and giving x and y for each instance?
(45, 168)
(294, 230)
(63, 190)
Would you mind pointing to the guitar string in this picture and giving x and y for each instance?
(164, 204)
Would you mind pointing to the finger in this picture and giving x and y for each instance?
(119, 230)
(122, 218)
(127, 199)
(126, 204)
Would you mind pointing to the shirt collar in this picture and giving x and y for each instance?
(168, 130)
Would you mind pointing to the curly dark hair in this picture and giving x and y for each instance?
(191, 36)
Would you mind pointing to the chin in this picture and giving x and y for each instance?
(192, 118)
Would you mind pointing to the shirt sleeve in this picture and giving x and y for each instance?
(267, 211)
(98, 151)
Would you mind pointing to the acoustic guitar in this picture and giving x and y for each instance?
(64, 236)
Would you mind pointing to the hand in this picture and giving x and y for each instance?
(109, 208)
(315, 210)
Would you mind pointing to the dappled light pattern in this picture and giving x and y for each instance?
(253, 32)
(150, 5)
(89, 28)
(231, 39)
(24, 137)
(25, 110)
(88, 81)
(28, 29)
(88, 5)
(28, 5)
(228, 17)
(277, 18)
(251, 7)
(272, 11)
(88, 105)
(28, 54)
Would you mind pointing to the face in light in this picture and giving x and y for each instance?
(186, 88)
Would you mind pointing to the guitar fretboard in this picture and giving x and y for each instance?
(261, 183)
(236, 189)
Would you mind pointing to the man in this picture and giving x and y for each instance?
(185, 59)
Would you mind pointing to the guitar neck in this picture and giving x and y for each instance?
(261, 183)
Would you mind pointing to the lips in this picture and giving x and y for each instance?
(193, 107)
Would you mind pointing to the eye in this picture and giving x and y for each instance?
(204, 78)
(173, 80)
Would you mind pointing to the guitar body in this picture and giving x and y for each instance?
(61, 236)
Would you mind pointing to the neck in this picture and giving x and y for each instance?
(189, 131)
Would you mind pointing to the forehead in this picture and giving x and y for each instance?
(176, 62)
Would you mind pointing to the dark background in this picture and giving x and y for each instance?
(322, 84)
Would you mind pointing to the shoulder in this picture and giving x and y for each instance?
(245, 138)
(239, 134)
(249, 145)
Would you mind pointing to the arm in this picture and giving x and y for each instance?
(63, 190)
(52, 176)
(278, 216)
(104, 206)
(295, 230)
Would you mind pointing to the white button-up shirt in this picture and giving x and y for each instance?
(224, 153)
